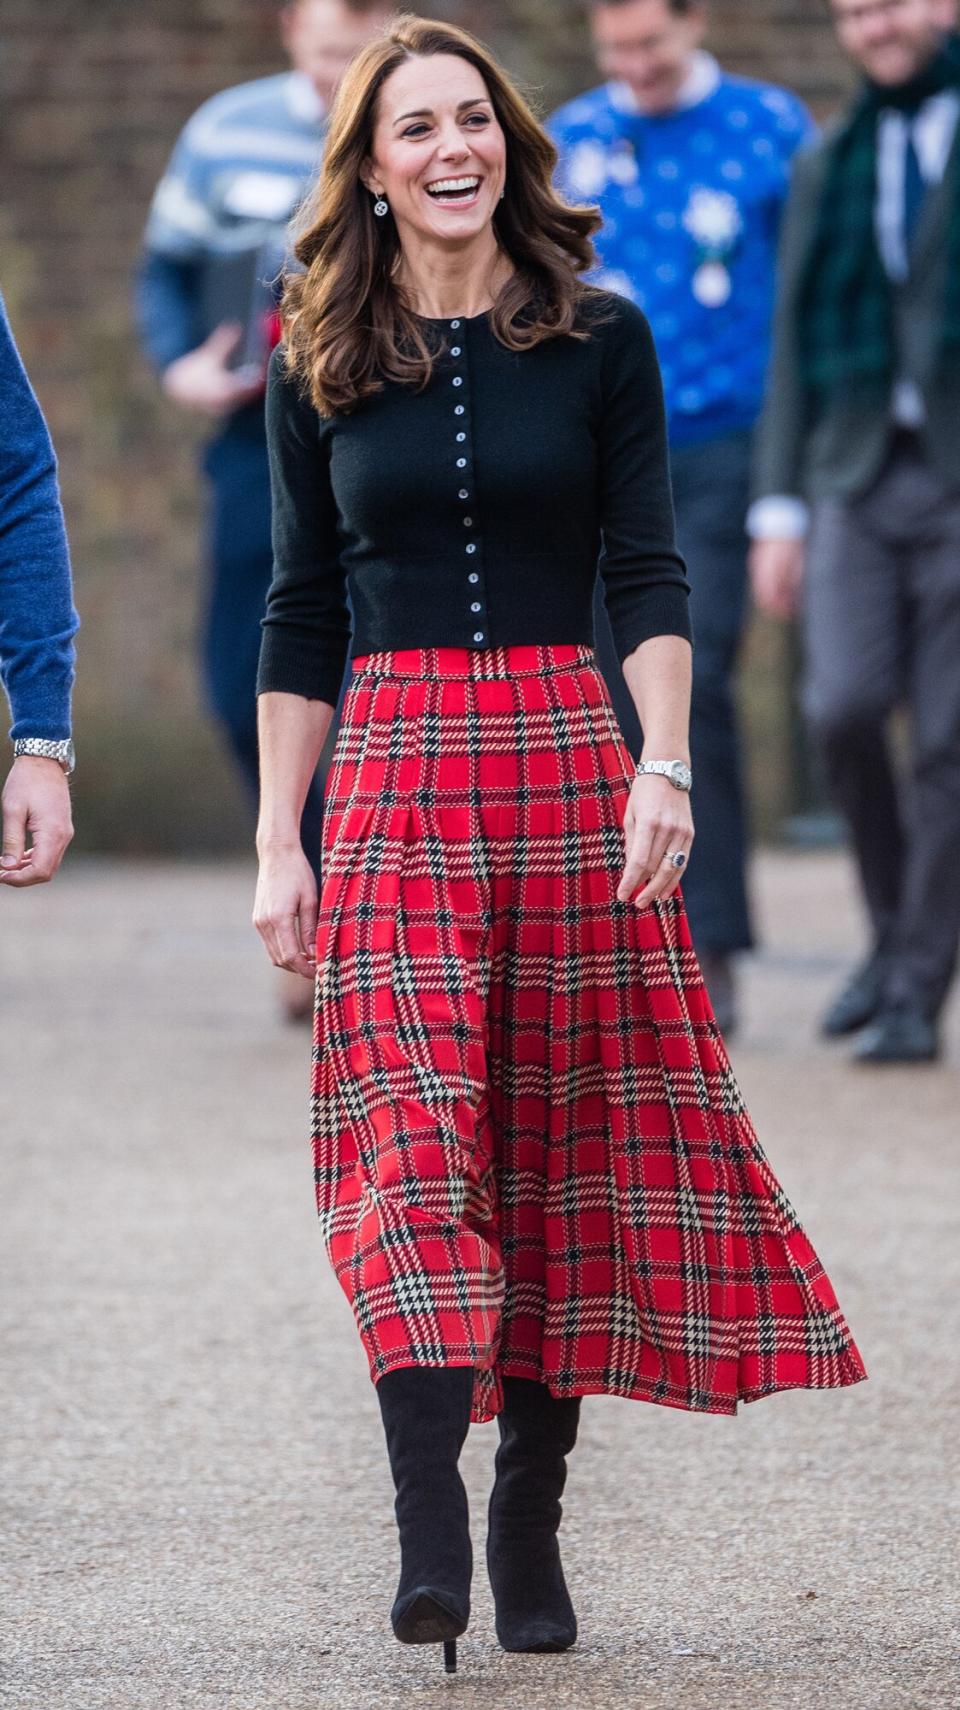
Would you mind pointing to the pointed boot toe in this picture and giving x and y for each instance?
(426, 1617)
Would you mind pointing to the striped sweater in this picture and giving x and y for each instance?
(240, 167)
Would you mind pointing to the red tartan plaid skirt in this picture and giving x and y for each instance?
(531, 1155)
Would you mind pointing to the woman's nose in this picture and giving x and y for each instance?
(453, 145)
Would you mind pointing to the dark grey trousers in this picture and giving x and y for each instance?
(882, 627)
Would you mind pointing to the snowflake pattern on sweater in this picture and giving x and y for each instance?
(691, 203)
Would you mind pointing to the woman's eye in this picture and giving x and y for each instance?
(476, 120)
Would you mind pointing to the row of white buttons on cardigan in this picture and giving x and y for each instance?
(459, 410)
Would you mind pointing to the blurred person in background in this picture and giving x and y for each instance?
(861, 425)
(216, 238)
(690, 167)
(37, 626)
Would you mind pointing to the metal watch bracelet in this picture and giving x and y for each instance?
(677, 771)
(47, 748)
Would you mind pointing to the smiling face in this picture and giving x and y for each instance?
(647, 45)
(891, 40)
(322, 36)
(438, 154)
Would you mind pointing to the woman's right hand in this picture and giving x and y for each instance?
(285, 909)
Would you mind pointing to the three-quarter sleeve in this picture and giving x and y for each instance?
(306, 627)
(645, 585)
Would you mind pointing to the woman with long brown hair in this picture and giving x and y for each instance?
(534, 1172)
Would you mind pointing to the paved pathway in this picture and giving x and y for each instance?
(198, 1501)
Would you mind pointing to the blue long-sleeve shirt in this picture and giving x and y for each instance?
(37, 616)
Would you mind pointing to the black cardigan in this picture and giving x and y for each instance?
(473, 514)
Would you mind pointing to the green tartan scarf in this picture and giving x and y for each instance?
(846, 296)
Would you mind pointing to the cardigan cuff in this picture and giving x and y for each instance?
(665, 610)
(293, 665)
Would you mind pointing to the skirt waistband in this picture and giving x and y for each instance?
(519, 660)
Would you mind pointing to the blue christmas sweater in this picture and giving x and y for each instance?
(691, 203)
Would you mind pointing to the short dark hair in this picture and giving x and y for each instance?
(362, 7)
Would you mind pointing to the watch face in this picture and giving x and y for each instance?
(681, 775)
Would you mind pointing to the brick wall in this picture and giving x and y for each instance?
(93, 94)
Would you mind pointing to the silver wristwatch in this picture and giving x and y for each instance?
(677, 771)
(45, 748)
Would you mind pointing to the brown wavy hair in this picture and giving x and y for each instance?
(347, 323)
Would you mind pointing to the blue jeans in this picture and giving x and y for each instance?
(710, 489)
(240, 563)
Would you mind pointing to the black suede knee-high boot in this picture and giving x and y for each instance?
(426, 1416)
(537, 1430)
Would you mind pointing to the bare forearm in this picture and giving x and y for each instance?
(659, 674)
(292, 732)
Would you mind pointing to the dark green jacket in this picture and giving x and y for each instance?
(840, 450)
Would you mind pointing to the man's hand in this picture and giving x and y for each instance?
(35, 802)
(201, 380)
(776, 576)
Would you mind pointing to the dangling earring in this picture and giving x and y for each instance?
(380, 207)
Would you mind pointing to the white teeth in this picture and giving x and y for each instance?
(464, 184)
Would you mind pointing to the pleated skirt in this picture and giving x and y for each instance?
(531, 1155)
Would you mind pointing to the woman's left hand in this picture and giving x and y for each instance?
(657, 823)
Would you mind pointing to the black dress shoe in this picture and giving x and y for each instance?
(860, 1000)
(901, 1033)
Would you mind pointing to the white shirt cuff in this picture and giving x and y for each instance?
(778, 517)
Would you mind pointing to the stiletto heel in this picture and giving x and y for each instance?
(450, 1655)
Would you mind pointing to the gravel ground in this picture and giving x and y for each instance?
(198, 1505)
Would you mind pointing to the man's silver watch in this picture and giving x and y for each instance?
(677, 771)
(46, 748)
